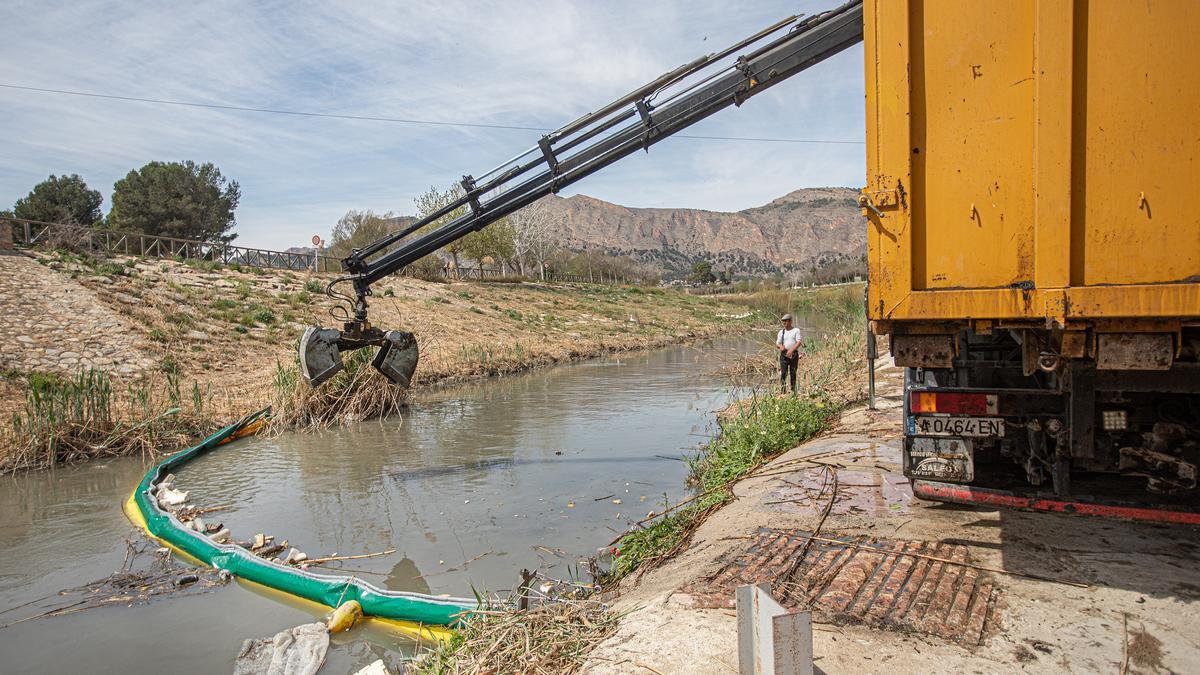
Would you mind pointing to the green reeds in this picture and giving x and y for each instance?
(68, 419)
(837, 307)
(490, 359)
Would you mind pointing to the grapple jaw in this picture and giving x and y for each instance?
(321, 352)
(397, 358)
(320, 357)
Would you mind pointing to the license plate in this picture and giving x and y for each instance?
(955, 426)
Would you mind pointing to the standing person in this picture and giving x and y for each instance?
(788, 343)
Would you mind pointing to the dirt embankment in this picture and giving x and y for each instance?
(228, 329)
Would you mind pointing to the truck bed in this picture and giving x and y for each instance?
(1033, 161)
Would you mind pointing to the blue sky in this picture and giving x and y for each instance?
(535, 64)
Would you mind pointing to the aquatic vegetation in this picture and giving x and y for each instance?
(68, 419)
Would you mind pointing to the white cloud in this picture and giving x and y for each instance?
(524, 63)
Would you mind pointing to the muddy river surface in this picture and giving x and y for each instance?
(471, 485)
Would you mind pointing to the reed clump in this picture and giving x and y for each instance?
(836, 305)
(555, 637)
(355, 394)
(86, 416)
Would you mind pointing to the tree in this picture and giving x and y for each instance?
(533, 230)
(434, 199)
(359, 228)
(176, 199)
(702, 273)
(493, 241)
(61, 199)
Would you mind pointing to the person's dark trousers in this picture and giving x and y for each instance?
(787, 368)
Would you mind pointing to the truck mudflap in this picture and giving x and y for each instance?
(970, 494)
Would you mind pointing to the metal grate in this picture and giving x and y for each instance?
(879, 582)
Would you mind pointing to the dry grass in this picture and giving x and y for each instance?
(553, 638)
(748, 369)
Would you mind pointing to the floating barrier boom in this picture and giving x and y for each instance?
(324, 589)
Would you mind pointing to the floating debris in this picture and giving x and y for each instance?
(296, 651)
(147, 572)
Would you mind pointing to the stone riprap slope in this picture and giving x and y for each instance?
(52, 323)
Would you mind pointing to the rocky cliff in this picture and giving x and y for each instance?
(791, 232)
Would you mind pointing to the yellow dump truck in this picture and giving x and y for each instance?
(1033, 169)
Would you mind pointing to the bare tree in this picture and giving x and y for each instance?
(533, 229)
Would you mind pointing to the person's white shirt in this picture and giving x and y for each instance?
(788, 338)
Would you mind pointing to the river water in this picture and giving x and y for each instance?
(470, 485)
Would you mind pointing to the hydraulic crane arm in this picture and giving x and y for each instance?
(645, 116)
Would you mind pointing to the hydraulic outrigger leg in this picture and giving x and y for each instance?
(645, 116)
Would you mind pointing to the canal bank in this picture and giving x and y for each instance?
(894, 583)
(169, 352)
(900, 585)
(758, 424)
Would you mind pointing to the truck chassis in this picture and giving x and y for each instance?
(1003, 417)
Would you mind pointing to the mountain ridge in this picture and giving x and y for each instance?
(790, 232)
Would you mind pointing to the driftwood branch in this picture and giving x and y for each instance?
(331, 558)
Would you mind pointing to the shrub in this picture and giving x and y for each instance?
(110, 269)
